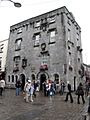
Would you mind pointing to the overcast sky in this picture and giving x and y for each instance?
(9, 15)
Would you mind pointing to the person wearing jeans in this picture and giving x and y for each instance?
(18, 87)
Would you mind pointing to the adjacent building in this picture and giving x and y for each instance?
(3, 55)
(86, 73)
(47, 46)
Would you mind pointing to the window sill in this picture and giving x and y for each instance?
(51, 42)
(36, 46)
(17, 49)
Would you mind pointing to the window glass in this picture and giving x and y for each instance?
(16, 77)
(37, 24)
(44, 60)
(1, 48)
(9, 78)
(19, 30)
(0, 62)
(12, 78)
(18, 44)
(52, 19)
(69, 34)
(52, 36)
(37, 38)
(16, 63)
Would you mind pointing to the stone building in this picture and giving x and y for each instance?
(47, 46)
(86, 72)
(3, 55)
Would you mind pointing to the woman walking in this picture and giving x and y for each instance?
(80, 92)
(27, 90)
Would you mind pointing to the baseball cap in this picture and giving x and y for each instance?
(29, 80)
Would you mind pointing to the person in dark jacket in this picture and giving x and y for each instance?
(18, 87)
(80, 92)
(69, 94)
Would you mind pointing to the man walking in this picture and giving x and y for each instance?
(69, 94)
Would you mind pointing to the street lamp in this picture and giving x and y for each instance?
(16, 4)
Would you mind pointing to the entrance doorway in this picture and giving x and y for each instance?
(42, 79)
(22, 78)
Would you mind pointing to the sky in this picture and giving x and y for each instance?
(10, 15)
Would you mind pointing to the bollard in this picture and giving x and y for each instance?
(89, 105)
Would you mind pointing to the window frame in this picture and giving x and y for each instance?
(17, 44)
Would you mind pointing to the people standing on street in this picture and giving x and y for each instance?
(52, 90)
(2, 86)
(80, 92)
(35, 87)
(69, 93)
(44, 88)
(62, 87)
(27, 90)
(86, 88)
(18, 87)
(31, 92)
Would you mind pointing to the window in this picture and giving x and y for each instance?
(36, 38)
(37, 24)
(18, 44)
(70, 58)
(44, 60)
(24, 62)
(52, 19)
(16, 63)
(0, 62)
(16, 77)
(56, 78)
(69, 47)
(1, 48)
(78, 59)
(9, 78)
(19, 30)
(69, 34)
(52, 36)
(12, 78)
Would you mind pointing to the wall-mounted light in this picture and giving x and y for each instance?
(16, 4)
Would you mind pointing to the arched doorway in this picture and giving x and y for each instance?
(42, 79)
(56, 78)
(22, 78)
(33, 77)
(42, 76)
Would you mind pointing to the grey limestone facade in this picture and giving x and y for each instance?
(47, 46)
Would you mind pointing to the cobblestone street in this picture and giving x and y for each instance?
(43, 108)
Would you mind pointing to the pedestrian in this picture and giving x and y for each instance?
(2, 86)
(52, 91)
(69, 93)
(18, 87)
(44, 88)
(31, 92)
(27, 90)
(35, 87)
(80, 92)
(86, 88)
(62, 87)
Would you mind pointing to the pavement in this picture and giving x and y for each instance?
(14, 107)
